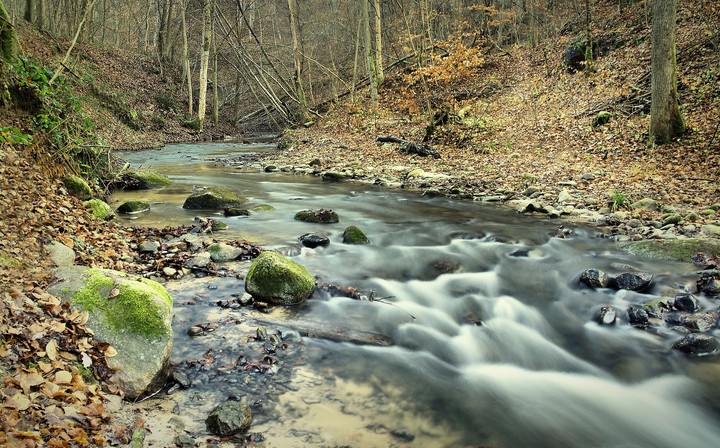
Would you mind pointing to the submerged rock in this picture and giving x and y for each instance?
(279, 280)
(214, 198)
(229, 418)
(594, 278)
(697, 344)
(235, 211)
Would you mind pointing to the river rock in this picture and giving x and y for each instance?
(214, 198)
(594, 278)
(709, 286)
(263, 208)
(99, 209)
(711, 229)
(229, 418)
(677, 249)
(565, 196)
(221, 252)
(700, 322)
(322, 216)
(60, 254)
(638, 317)
(132, 207)
(686, 302)
(149, 246)
(633, 281)
(130, 313)
(697, 344)
(313, 240)
(77, 187)
(657, 306)
(333, 176)
(201, 260)
(353, 235)
(143, 180)
(606, 316)
(235, 211)
(646, 204)
(277, 279)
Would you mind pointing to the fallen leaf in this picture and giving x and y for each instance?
(51, 350)
(86, 360)
(63, 377)
(110, 352)
(28, 381)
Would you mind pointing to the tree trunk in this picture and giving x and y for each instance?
(8, 40)
(186, 59)
(215, 95)
(204, 60)
(666, 123)
(297, 56)
(378, 43)
(372, 74)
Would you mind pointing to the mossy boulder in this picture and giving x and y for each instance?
(130, 313)
(144, 179)
(99, 209)
(77, 187)
(214, 198)
(322, 216)
(277, 279)
(263, 208)
(353, 235)
(602, 118)
(673, 249)
(132, 207)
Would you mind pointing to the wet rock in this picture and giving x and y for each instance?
(195, 331)
(633, 281)
(201, 260)
(181, 378)
(675, 319)
(263, 208)
(686, 302)
(638, 317)
(279, 280)
(594, 278)
(709, 285)
(184, 441)
(697, 344)
(221, 252)
(333, 176)
(354, 235)
(700, 322)
(235, 211)
(403, 435)
(657, 306)
(214, 198)
(143, 180)
(322, 216)
(131, 207)
(606, 316)
(313, 240)
(229, 418)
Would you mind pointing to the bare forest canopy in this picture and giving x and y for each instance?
(285, 59)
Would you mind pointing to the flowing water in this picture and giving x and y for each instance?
(494, 342)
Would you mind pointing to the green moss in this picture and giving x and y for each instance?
(9, 261)
(214, 198)
(77, 187)
(132, 310)
(134, 207)
(321, 216)
(98, 208)
(673, 249)
(279, 279)
(353, 235)
(263, 208)
(147, 179)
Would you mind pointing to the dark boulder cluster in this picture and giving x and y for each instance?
(683, 314)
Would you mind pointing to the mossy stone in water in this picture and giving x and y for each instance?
(131, 207)
(98, 208)
(77, 187)
(353, 235)
(277, 279)
(214, 198)
(322, 216)
(673, 249)
(262, 208)
(145, 179)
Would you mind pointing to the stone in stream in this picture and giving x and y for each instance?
(606, 316)
(132, 207)
(594, 278)
(229, 418)
(697, 344)
(353, 235)
(279, 280)
(700, 322)
(322, 216)
(214, 198)
(221, 252)
(313, 240)
(638, 317)
(633, 281)
(687, 302)
(143, 180)
(235, 211)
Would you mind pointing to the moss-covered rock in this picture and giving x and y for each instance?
(353, 235)
(99, 209)
(277, 279)
(131, 207)
(333, 176)
(132, 314)
(602, 118)
(236, 211)
(263, 208)
(214, 198)
(673, 249)
(144, 179)
(322, 216)
(77, 187)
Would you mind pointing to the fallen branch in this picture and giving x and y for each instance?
(408, 147)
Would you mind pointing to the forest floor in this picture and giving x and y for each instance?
(516, 119)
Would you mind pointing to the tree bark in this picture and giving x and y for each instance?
(215, 95)
(372, 73)
(204, 61)
(8, 39)
(378, 43)
(297, 57)
(666, 123)
(186, 58)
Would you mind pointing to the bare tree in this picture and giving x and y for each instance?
(204, 61)
(297, 58)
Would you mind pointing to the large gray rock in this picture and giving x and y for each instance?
(633, 281)
(229, 418)
(277, 279)
(214, 198)
(130, 313)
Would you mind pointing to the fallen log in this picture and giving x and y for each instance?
(321, 330)
(408, 147)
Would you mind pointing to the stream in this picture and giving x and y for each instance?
(494, 339)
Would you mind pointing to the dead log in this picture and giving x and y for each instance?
(408, 147)
(320, 330)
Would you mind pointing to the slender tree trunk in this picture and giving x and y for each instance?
(297, 56)
(88, 9)
(372, 74)
(215, 95)
(204, 61)
(666, 123)
(186, 58)
(588, 30)
(378, 43)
